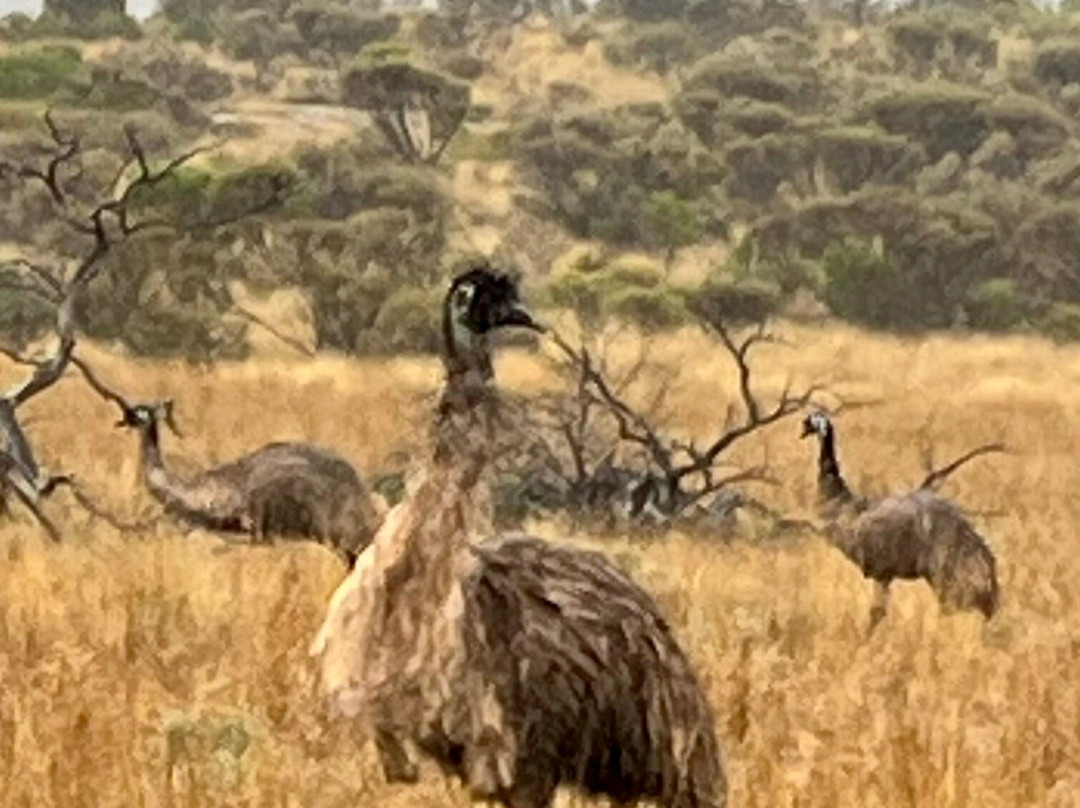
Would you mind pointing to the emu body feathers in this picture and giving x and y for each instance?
(921, 535)
(517, 665)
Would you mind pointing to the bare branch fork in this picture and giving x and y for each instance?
(937, 476)
(676, 461)
(19, 470)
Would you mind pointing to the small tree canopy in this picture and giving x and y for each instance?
(418, 110)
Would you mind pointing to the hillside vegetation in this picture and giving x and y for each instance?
(908, 171)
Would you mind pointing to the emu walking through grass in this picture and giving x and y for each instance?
(515, 664)
(910, 536)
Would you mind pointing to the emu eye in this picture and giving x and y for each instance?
(464, 295)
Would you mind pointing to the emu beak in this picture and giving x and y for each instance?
(517, 315)
(807, 430)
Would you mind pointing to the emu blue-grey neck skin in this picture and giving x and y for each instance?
(478, 302)
(831, 484)
(147, 418)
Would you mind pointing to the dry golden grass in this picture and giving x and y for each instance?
(160, 670)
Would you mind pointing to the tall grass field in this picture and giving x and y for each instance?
(167, 668)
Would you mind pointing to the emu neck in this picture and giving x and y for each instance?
(832, 487)
(468, 405)
(177, 495)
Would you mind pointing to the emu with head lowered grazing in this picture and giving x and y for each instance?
(516, 664)
(909, 536)
(292, 490)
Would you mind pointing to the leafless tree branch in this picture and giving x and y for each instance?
(685, 473)
(106, 224)
(274, 331)
(937, 476)
(100, 387)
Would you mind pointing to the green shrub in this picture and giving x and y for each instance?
(852, 156)
(463, 65)
(757, 118)
(915, 37)
(196, 29)
(630, 175)
(734, 77)
(1062, 322)
(862, 285)
(628, 271)
(943, 40)
(650, 309)
(580, 292)
(252, 188)
(23, 317)
(1036, 127)
(1043, 250)
(629, 290)
(653, 11)
(171, 70)
(107, 25)
(114, 93)
(942, 117)
(164, 296)
(791, 273)
(17, 27)
(735, 302)
(1058, 62)
(671, 221)
(341, 30)
(997, 304)
(660, 47)
(410, 322)
(38, 72)
(183, 333)
(192, 197)
(857, 155)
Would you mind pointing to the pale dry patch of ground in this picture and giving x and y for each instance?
(162, 669)
(278, 129)
(536, 56)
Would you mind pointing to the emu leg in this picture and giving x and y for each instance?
(397, 757)
(256, 526)
(880, 604)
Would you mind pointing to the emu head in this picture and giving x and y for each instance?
(817, 423)
(481, 300)
(147, 416)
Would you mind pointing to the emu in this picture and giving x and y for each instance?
(909, 536)
(516, 664)
(291, 490)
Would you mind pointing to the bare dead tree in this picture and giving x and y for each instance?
(680, 475)
(103, 225)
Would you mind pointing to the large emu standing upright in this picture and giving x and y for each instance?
(909, 536)
(515, 664)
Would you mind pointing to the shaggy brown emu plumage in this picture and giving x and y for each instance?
(516, 664)
(908, 536)
(289, 490)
